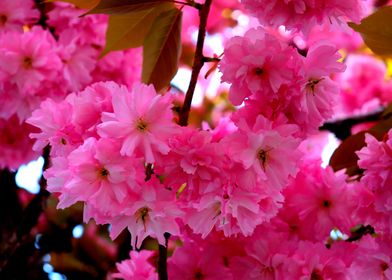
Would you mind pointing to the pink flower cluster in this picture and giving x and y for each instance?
(296, 244)
(105, 137)
(37, 63)
(274, 80)
(243, 198)
(364, 84)
(376, 160)
(16, 14)
(137, 268)
(302, 15)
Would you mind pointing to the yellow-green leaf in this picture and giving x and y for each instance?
(376, 31)
(162, 49)
(83, 4)
(129, 30)
(124, 6)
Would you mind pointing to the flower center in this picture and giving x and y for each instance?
(3, 20)
(267, 272)
(316, 275)
(217, 210)
(142, 214)
(103, 172)
(199, 275)
(384, 266)
(27, 62)
(141, 125)
(311, 85)
(259, 71)
(262, 155)
(326, 204)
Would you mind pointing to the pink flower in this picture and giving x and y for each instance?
(302, 15)
(78, 61)
(194, 160)
(123, 67)
(28, 59)
(194, 262)
(376, 159)
(142, 120)
(362, 82)
(91, 28)
(153, 212)
(14, 14)
(257, 64)
(315, 261)
(29, 70)
(137, 267)
(261, 147)
(54, 119)
(373, 260)
(266, 258)
(345, 39)
(319, 93)
(89, 104)
(15, 144)
(99, 176)
(322, 199)
(233, 212)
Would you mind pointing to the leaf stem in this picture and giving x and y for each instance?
(198, 62)
(211, 59)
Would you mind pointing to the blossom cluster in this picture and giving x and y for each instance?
(275, 80)
(38, 63)
(302, 15)
(105, 136)
(242, 199)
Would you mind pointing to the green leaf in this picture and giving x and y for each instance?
(376, 31)
(129, 30)
(83, 4)
(125, 6)
(162, 49)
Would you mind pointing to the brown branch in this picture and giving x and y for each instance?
(342, 128)
(198, 62)
(162, 259)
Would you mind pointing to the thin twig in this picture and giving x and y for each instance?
(198, 62)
